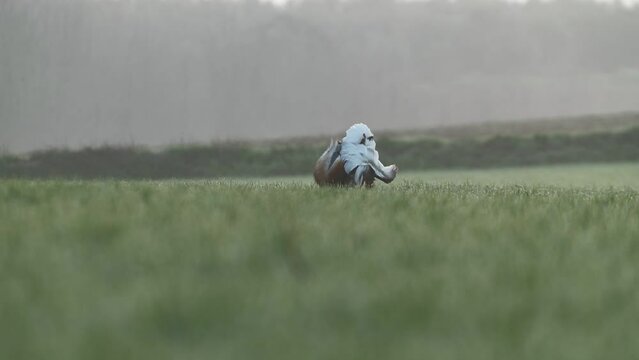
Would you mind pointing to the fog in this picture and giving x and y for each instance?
(76, 73)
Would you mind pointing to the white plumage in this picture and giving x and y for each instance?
(353, 161)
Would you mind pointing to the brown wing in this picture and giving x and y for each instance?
(335, 175)
(329, 170)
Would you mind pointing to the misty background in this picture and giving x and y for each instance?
(76, 73)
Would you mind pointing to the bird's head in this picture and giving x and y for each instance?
(360, 134)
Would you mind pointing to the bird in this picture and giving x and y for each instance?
(353, 161)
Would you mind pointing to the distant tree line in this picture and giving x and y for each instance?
(90, 72)
(298, 158)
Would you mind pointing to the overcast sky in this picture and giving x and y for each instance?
(625, 2)
(171, 72)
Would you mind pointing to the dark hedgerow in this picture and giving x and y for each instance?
(237, 159)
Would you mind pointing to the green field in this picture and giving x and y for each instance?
(537, 263)
(589, 176)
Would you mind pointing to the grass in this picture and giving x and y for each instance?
(434, 266)
(591, 176)
(623, 175)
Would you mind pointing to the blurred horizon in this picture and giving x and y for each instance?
(77, 73)
(628, 3)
